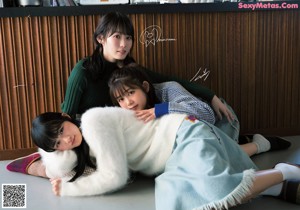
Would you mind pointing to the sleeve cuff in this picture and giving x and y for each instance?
(161, 109)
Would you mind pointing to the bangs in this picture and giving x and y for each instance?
(48, 133)
(120, 87)
(121, 26)
(118, 90)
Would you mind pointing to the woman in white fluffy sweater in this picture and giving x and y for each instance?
(199, 167)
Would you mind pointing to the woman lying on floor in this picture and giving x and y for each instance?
(130, 85)
(198, 166)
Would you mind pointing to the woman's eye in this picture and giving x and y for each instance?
(57, 143)
(61, 131)
(129, 37)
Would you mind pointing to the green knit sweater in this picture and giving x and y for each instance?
(84, 93)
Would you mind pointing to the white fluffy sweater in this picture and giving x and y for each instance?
(119, 142)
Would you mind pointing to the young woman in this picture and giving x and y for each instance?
(131, 89)
(87, 84)
(198, 166)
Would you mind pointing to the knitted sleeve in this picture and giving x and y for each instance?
(195, 89)
(106, 142)
(74, 92)
(181, 101)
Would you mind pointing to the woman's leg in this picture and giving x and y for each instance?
(249, 148)
(272, 179)
(258, 145)
(263, 180)
(37, 169)
(30, 164)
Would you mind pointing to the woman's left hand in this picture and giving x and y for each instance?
(145, 115)
(56, 183)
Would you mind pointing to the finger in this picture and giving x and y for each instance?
(231, 116)
(142, 118)
(54, 190)
(228, 117)
(148, 119)
(138, 114)
(218, 113)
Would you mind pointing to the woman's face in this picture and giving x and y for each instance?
(133, 99)
(116, 47)
(69, 137)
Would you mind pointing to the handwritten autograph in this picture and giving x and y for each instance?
(197, 76)
(152, 35)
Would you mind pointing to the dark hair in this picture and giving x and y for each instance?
(109, 24)
(44, 133)
(132, 76)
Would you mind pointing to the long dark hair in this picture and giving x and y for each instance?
(45, 131)
(132, 76)
(109, 24)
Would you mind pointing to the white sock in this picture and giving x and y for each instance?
(273, 191)
(262, 143)
(288, 171)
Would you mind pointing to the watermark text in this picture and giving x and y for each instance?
(267, 5)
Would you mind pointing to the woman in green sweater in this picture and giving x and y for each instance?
(87, 85)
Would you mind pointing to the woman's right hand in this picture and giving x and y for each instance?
(56, 183)
(145, 115)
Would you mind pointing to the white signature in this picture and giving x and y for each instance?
(152, 35)
(198, 75)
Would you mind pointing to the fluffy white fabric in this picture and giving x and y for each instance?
(58, 163)
(121, 142)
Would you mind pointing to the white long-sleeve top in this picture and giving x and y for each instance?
(120, 142)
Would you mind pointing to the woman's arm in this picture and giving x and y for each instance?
(196, 90)
(106, 142)
(175, 99)
(74, 91)
(181, 101)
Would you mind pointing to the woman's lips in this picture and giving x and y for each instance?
(134, 108)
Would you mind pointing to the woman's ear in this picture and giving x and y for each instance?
(100, 39)
(65, 115)
(146, 86)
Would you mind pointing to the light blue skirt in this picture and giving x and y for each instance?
(206, 170)
(232, 129)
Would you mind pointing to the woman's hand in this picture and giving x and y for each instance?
(145, 115)
(56, 186)
(220, 108)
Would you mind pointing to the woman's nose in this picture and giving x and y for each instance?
(67, 139)
(123, 42)
(128, 101)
